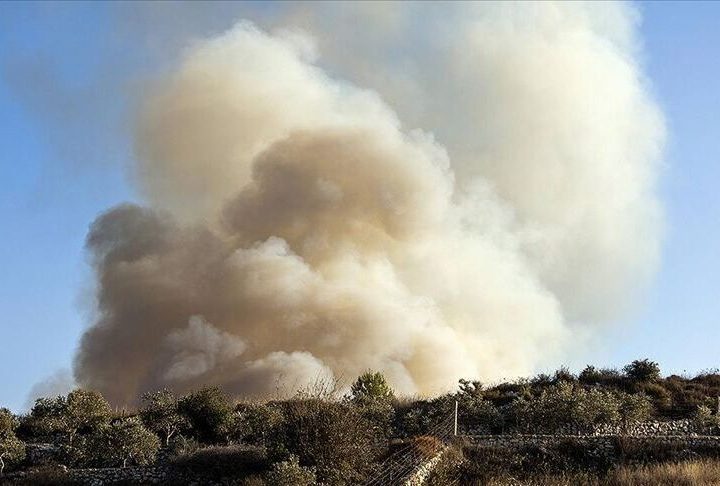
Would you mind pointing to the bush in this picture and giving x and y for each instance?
(12, 449)
(210, 414)
(255, 423)
(635, 408)
(371, 387)
(563, 405)
(224, 461)
(291, 473)
(643, 370)
(332, 437)
(422, 417)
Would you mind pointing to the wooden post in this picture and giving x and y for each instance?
(455, 432)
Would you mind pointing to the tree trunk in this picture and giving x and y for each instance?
(2, 463)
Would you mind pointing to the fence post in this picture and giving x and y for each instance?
(455, 432)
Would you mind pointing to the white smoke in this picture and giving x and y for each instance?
(318, 237)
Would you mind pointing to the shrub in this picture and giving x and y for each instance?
(182, 446)
(371, 387)
(565, 404)
(332, 437)
(210, 414)
(224, 461)
(422, 417)
(255, 423)
(563, 375)
(12, 449)
(635, 408)
(643, 370)
(291, 473)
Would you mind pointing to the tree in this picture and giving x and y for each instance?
(635, 407)
(161, 414)
(12, 449)
(210, 414)
(82, 411)
(565, 404)
(643, 370)
(371, 387)
(122, 441)
(470, 390)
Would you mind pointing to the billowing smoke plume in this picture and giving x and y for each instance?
(489, 198)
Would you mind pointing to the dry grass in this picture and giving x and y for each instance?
(705, 472)
(689, 473)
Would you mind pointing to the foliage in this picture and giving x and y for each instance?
(371, 387)
(634, 408)
(123, 441)
(291, 473)
(333, 437)
(565, 404)
(223, 461)
(419, 417)
(210, 414)
(643, 370)
(80, 412)
(12, 449)
(256, 423)
(161, 414)
(705, 419)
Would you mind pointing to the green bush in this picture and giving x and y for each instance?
(224, 461)
(256, 423)
(210, 414)
(12, 449)
(332, 437)
(291, 473)
(643, 370)
(371, 387)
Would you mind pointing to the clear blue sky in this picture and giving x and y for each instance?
(63, 98)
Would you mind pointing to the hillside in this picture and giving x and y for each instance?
(598, 423)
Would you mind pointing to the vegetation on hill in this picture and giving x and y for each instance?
(319, 437)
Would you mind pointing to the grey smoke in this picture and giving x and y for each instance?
(471, 205)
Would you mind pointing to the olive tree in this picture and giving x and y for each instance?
(12, 449)
(123, 441)
(81, 411)
(210, 413)
(161, 414)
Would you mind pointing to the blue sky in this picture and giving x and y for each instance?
(63, 100)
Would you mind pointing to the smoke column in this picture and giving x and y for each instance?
(432, 192)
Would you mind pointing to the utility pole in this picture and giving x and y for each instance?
(456, 414)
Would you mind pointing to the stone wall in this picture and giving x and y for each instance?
(132, 475)
(605, 446)
(418, 477)
(96, 477)
(652, 428)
